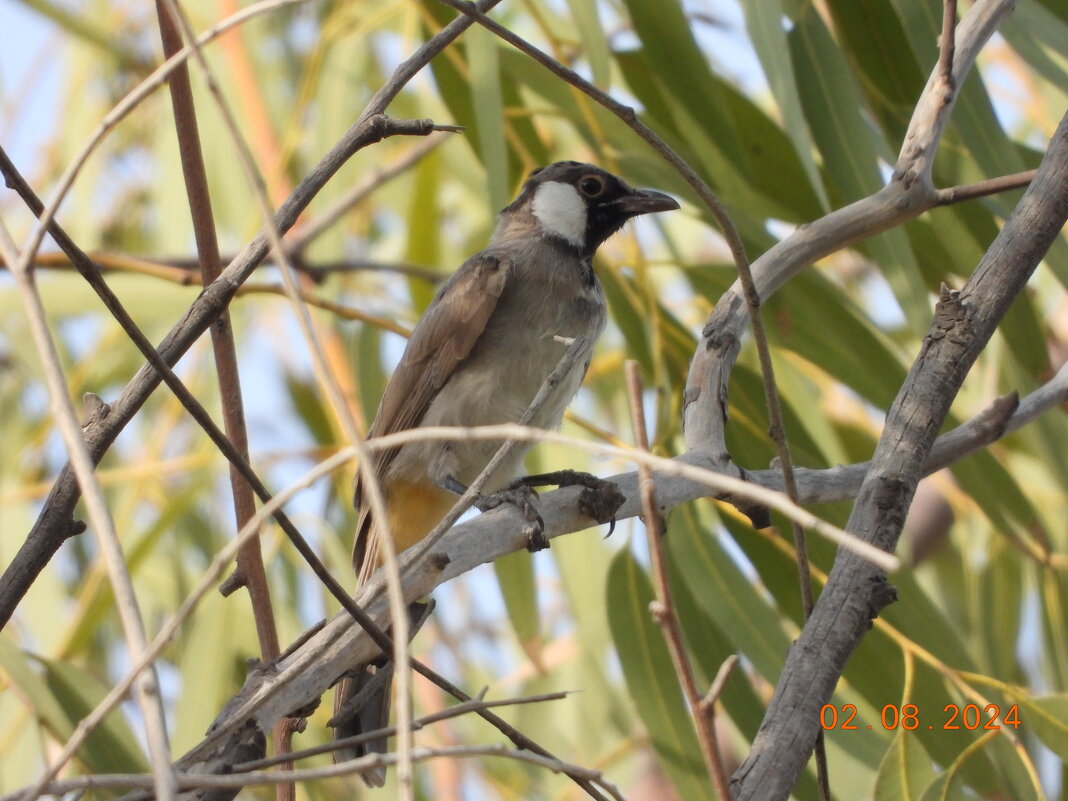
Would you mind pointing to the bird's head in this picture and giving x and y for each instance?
(581, 204)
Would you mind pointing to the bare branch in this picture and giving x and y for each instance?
(856, 591)
(991, 186)
(961, 45)
(184, 277)
(947, 43)
(342, 411)
(250, 572)
(720, 681)
(184, 271)
(463, 708)
(199, 781)
(663, 608)
(146, 682)
(311, 230)
(908, 195)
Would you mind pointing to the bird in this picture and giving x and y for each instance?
(478, 356)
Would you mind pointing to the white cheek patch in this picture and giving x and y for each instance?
(561, 211)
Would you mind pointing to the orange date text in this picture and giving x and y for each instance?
(970, 717)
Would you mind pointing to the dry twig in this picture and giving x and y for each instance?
(663, 608)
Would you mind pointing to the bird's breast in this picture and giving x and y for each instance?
(519, 348)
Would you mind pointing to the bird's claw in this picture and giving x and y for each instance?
(600, 499)
(601, 502)
(522, 497)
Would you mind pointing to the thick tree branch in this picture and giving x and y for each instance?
(856, 592)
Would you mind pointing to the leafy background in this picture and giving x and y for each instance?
(789, 109)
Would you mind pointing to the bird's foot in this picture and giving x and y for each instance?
(521, 496)
(600, 499)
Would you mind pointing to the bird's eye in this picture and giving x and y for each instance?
(591, 186)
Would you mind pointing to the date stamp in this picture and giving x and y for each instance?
(970, 717)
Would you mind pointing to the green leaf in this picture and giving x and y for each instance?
(489, 112)
(832, 104)
(905, 771)
(1047, 717)
(34, 689)
(817, 320)
(870, 34)
(112, 747)
(60, 696)
(670, 47)
(729, 597)
(702, 116)
(515, 577)
(594, 42)
(424, 216)
(650, 677)
(1028, 29)
(764, 22)
(216, 670)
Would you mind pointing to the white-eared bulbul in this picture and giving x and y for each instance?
(480, 353)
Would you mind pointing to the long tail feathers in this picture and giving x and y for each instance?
(362, 703)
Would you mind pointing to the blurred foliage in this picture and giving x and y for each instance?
(786, 108)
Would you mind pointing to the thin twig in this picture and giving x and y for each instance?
(463, 708)
(663, 609)
(991, 186)
(184, 271)
(182, 277)
(947, 43)
(718, 683)
(200, 781)
(299, 241)
(250, 572)
(127, 104)
(146, 684)
(170, 628)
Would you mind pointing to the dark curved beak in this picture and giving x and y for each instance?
(646, 201)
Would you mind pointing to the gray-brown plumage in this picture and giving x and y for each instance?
(482, 350)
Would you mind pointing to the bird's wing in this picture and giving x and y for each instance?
(440, 342)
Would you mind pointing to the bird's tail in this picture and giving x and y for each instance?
(362, 702)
